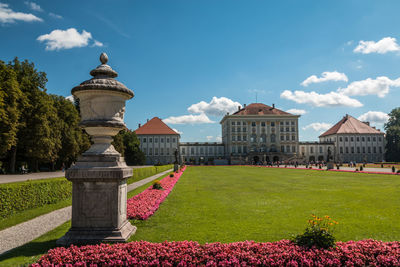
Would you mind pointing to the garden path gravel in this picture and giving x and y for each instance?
(25, 232)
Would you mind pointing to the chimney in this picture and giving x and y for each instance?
(139, 125)
(244, 105)
(367, 123)
(273, 105)
(238, 108)
(374, 127)
(147, 120)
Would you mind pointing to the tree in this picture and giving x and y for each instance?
(10, 97)
(392, 128)
(127, 143)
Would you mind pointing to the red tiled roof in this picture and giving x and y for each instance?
(155, 126)
(351, 125)
(260, 109)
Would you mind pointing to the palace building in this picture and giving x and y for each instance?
(258, 133)
(158, 141)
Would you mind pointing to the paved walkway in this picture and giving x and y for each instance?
(25, 232)
(10, 178)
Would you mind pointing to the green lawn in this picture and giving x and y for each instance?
(227, 204)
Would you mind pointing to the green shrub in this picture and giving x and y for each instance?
(16, 197)
(157, 185)
(317, 234)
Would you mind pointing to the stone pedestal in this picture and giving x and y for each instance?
(99, 200)
(329, 165)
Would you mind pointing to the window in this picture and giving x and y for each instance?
(287, 123)
(155, 140)
(253, 138)
(244, 129)
(380, 149)
(287, 129)
(167, 140)
(272, 138)
(173, 140)
(151, 140)
(210, 150)
(320, 149)
(272, 124)
(239, 138)
(233, 129)
(167, 151)
(162, 140)
(238, 123)
(287, 149)
(156, 151)
(358, 139)
(145, 151)
(245, 149)
(374, 149)
(233, 123)
(352, 150)
(282, 129)
(144, 140)
(293, 149)
(311, 149)
(293, 138)
(201, 150)
(358, 150)
(374, 138)
(282, 148)
(238, 129)
(369, 149)
(346, 139)
(150, 151)
(363, 149)
(380, 139)
(282, 137)
(253, 124)
(293, 130)
(368, 139)
(347, 150)
(363, 138)
(161, 151)
(263, 123)
(351, 139)
(233, 138)
(192, 150)
(292, 122)
(287, 137)
(244, 137)
(239, 149)
(341, 139)
(341, 150)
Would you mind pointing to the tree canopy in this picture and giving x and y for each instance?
(392, 128)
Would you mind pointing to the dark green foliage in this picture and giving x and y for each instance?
(157, 185)
(127, 143)
(392, 128)
(16, 197)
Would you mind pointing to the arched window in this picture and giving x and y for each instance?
(272, 138)
(253, 138)
(263, 138)
(273, 148)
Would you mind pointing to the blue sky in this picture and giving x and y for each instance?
(189, 62)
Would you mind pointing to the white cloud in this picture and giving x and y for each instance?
(217, 106)
(297, 111)
(60, 39)
(218, 138)
(332, 99)
(97, 43)
(209, 137)
(188, 119)
(179, 132)
(378, 117)
(380, 87)
(387, 44)
(33, 6)
(55, 16)
(318, 126)
(7, 15)
(70, 98)
(325, 76)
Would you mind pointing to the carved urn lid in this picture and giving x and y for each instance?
(103, 79)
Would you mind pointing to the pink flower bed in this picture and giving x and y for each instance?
(143, 205)
(249, 253)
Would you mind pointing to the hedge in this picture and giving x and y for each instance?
(16, 197)
(147, 172)
(20, 196)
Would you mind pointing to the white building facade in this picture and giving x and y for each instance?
(201, 152)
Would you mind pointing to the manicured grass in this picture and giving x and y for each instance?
(227, 204)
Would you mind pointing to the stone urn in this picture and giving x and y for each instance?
(99, 177)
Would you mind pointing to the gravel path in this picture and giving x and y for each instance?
(25, 232)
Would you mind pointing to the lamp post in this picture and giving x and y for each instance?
(99, 188)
